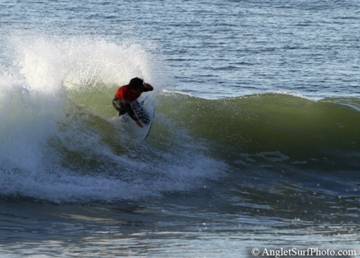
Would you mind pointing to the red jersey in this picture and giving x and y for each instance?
(127, 94)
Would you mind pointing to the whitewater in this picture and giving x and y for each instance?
(56, 131)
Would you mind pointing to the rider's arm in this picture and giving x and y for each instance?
(147, 87)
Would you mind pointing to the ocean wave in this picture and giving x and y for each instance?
(291, 125)
(58, 142)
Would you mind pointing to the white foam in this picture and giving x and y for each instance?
(33, 93)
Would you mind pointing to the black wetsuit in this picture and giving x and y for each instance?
(124, 108)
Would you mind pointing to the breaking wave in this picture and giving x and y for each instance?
(58, 141)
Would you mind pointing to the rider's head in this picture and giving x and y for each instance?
(136, 83)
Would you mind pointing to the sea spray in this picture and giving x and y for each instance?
(56, 140)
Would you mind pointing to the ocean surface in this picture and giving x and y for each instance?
(255, 142)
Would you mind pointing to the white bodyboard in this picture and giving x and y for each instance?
(145, 111)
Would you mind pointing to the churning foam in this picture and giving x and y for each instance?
(33, 94)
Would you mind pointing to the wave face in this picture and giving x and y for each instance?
(54, 147)
(58, 142)
(296, 127)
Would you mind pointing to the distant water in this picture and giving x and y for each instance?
(218, 48)
(256, 139)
